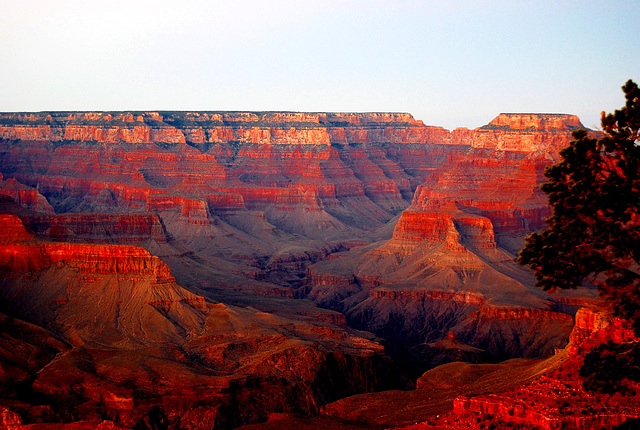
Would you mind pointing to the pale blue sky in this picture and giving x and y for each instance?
(449, 63)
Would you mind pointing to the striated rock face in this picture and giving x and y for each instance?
(236, 188)
(536, 122)
(355, 169)
(408, 230)
(593, 328)
(104, 331)
(25, 196)
(458, 239)
(211, 127)
(526, 132)
(19, 256)
(88, 227)
(512, 132)
(558, 399)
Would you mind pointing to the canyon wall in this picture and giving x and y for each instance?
(317, 161)
(345, 173)
(227, 228)
(104, 335)
(458, 238)
(232, 192)
(511, 132)
(559, 399)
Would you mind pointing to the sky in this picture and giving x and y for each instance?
(450, 63)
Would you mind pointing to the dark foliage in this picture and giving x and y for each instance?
(632, 424)
(593, 234)
(608, 365)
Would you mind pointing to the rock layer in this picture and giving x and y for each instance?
(558, 400)
(417, 227)
(240, 187)
(115, 336)
(449, 265)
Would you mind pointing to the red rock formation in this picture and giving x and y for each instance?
(25, 196)
(541, 394)
(194, 210)
(141, 349)
(88, 227)
(537, 122)
(420, 226)
(513, 132)
(12, 230)
(459, 237)
(249, 200)
(224, 202)
(526, 132)
(20, 256)
(594, 328)
(132, 156)
(558, 399)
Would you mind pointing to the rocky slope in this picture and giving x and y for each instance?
(96, 332)
(409, 231)
(449, 266)
(557, 399)
(515, 394)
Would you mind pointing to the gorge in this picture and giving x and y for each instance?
(215, 269)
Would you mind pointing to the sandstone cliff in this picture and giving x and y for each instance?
(227, 187)
(408, 230)
(558, 399)
(449, 265)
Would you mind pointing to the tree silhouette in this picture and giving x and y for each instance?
(593, 234)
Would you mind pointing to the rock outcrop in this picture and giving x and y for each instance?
(593, 328)
(26, 197)
(558, 399)
(97, 228)
(110, 334)
(450, 263)
(137, 222)
(241, 187)
(526, 132)
(28, 256)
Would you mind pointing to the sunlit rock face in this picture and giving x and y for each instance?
(526, 132)
(198, 246)
(368, 164)
(459, 239)
(558, 399)
(26, 197)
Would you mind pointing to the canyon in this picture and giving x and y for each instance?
(219, 269)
